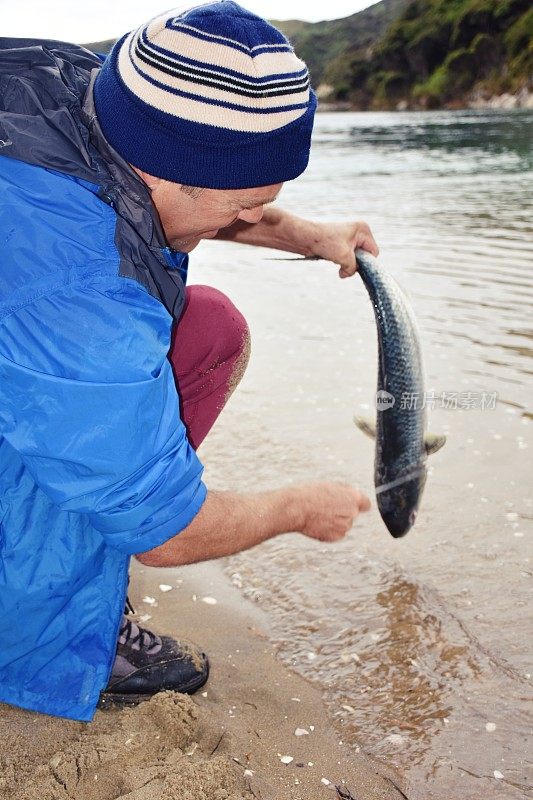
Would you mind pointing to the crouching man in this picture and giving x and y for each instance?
(112, 372)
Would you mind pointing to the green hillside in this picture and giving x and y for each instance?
(100, 47)
(416, 53)
(438, 52)
(320, 43)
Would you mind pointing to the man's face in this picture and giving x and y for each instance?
(188, 218)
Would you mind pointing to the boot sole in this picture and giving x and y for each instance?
(112, 700)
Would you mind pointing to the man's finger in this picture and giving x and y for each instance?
(349, 266)
(363, 502)
(369, 244)
(346, 272)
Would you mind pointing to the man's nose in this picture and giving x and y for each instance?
(251, 214)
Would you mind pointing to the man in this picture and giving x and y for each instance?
(111, 174)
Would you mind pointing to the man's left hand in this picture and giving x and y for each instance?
(337, 242)
(334, 241)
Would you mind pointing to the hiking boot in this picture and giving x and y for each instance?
(146, 664)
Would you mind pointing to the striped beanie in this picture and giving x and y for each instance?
(212, 96)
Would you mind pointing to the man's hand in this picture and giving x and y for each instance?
(334, 241)
(329, 510)
(229, 522)
(337, 242)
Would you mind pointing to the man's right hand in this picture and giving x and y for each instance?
(229, 522)
(329, 510)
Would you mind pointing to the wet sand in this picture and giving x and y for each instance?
(225, 743)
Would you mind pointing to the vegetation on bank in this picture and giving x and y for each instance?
(416, 53)
(320, 44)
(439, 53)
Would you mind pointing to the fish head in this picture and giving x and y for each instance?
(398, 504)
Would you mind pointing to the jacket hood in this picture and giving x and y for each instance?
(41, 83)
(48, 120)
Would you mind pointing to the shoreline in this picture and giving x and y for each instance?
(521, 100)
(226, 742)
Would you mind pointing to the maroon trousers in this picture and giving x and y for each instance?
(209, 353)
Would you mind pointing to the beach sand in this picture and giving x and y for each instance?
(224, 743)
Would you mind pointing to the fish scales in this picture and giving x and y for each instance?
(400, 456)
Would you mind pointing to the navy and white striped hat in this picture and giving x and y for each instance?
(212, 96)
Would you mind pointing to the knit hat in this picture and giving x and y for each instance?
(212, 96)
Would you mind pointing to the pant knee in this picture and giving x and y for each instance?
(211, 331)
(220, 320)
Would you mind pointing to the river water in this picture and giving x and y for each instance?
(421, 645)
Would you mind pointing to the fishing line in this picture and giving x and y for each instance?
(399, 481)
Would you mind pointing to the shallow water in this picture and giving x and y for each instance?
(422, 645)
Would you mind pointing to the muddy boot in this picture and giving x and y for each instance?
(146, 664)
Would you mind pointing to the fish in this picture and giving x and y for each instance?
(399, 428)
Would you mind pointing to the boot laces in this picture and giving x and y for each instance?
(138, 638)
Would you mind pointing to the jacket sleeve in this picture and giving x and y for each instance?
(89, 402)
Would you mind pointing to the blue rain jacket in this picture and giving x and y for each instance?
(95, 464)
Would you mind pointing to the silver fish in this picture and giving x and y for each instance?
(402, 443)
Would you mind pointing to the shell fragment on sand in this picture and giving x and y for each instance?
(396, 738)
(150, 601)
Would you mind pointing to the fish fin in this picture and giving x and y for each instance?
(367, 425)
(433, 442)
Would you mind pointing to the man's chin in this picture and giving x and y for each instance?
(185, 246)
